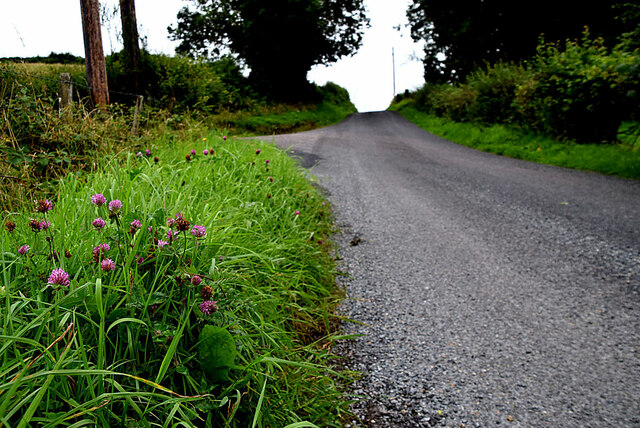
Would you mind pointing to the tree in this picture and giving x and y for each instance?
(460, 35)
(279, 40)
(94, 55)
(131, 50)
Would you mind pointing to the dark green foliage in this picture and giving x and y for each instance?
(216, 353)
(181, 83)
(578, 91)
(582, 91)
(279, 40)
(460, 35)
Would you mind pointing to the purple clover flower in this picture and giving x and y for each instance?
(172, 234)
(107, 265)
(115, 205)
(208, 307)
(162, 243)
(193, 152)
(58, 277)
(139, 154)
(101, 248)
(136, 224)
(98, 223)
(196, 280)
(198, 231)
(205, 152)
(297, 213)
(98, 199)
(44, 205)
(44, 225)
(23, 250)
(258, 151)
(224, 138)
(148, 152)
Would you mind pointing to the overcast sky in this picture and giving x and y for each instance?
(39, 27)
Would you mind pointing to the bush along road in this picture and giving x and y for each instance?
(489, 290)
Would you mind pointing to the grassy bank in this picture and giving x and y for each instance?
(210, 304)
(613, 159)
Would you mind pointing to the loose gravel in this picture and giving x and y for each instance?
(489, 291)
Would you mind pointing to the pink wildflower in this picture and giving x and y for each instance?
(162, 243)
(115, 205)
(198, 231)
(23, 250)
(205, 152)
(208, 307)
(58, 277)
(98, 200)
(98, 223)
(196, 280)
(44, 225)
(107, 265)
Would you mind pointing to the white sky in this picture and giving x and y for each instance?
(39, 27)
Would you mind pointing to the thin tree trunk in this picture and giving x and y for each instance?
(94, 55)
(130, 41)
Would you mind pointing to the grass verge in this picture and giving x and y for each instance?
(619, 160)
(203, 297)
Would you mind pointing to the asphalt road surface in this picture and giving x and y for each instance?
(491, 291)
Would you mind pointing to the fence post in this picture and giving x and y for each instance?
(136, 114)
(66, 90)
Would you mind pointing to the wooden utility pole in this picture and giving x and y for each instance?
(94, 55)
(130, 42)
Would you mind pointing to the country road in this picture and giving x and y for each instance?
(492, 291)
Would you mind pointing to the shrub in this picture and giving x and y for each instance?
(582, 92)
(495, 89)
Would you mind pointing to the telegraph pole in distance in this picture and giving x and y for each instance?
(94, 55)
(393, 61)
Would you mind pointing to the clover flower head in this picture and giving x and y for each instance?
(206, 292)
(101, 249)
(205, 152)
(114, 206)
(267, 161)
(44, 225)
(224, 138)
(171, 222)
(34, 225)
(297, 213)
(23, 250)
(162, 243)
(196, 280)
(198, 231)
(148, 152)
(43, 205)
(208, 307)
(107, 265)
(98, 199)
(193, 152)
(98, 223)
(139, 154)
(258, 151)
(11, 226)
(172, 234)
(58, 277)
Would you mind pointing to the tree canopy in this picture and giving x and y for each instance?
(460, 35)
(279, 40)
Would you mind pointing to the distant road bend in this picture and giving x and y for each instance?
(493, 291)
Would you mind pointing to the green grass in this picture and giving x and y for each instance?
(282, 119)
(123, 347)
(619, 160)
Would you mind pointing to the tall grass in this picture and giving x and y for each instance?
(126, 344)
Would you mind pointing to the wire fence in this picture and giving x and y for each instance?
(75, 83)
